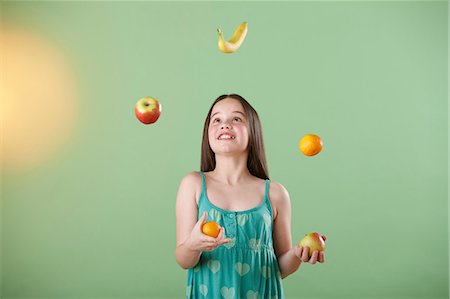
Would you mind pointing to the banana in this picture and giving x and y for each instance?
(235, 42)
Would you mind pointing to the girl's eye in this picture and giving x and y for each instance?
(216, 120)
(237, 119)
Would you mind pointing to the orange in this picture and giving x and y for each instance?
(211, 229)
(310, 145)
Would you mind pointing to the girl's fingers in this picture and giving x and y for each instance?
(200, 222)
(203, 218)
(211, 246)
(221, 237)
(211, 243)
(225, 241)
(321, 257)
(208, 240)
(221, 233)
(305, 256)
(298, 250)
(314, 257)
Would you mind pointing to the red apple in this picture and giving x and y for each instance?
(314, 241)
(147, 110)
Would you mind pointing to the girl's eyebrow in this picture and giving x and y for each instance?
(233, 112)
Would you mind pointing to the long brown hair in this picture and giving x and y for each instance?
(256, 162)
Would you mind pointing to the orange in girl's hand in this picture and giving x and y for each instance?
(310, 145)
(211, 229)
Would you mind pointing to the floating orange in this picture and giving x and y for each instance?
(211, 229)
(310, 145)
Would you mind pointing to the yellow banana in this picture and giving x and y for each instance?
(235, 42)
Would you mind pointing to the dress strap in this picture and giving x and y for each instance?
(203, 181)
(266, 192)
(201, 200)
(266, 197)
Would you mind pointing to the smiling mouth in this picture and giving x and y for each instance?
(226, 137)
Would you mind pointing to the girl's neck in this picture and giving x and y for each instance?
(230, 170)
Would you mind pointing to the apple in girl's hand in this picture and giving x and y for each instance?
(147, 110)
(314, 241)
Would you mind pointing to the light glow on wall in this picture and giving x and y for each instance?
(37, 98)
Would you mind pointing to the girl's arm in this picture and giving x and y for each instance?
(186, 218)
(288, 261)
(289, 258)
(190, 239)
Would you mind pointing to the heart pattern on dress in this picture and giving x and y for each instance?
(265, 271)
(213, 265)
(254, 244)
(241, 268)
(203, 290)
(252, 295)
(227, 293)
(230, 244)
(267, 220)
(215, 215)
(197, 268)
(279, 275)
(242, 219)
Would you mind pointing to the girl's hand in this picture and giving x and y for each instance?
(200, 242)
(303, 254)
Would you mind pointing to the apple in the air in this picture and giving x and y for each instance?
(147, 110)
(314, 241)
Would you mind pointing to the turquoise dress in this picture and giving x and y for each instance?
(247, 266)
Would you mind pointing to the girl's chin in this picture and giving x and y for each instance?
(230, 152)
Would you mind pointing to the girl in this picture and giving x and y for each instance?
(253, 250)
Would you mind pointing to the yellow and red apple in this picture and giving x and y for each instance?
(147, 110)
(314, 241)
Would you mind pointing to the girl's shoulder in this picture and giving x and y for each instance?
(192, 178)
(193, 175)
(192, 182)
(277, 189)
(278, 195)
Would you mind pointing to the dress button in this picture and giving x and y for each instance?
(231, 215)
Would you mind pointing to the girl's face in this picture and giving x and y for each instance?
(228, 127)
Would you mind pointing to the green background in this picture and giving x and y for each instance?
(97, 219)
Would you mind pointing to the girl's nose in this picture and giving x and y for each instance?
(225, 125)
